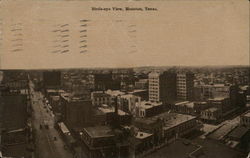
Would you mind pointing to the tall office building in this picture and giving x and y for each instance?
(76, 112)
(52, 79)
(185, 86)
(162, 87)
(103, 81)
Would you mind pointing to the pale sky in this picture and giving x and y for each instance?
(190, 33)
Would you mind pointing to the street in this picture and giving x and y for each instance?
(48, 142)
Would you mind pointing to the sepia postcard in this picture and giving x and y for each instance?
(124, 79)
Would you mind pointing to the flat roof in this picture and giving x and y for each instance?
(182, 102)
(99, 131)
(170, 119)
(111, 109)
(218, 98)
(239, 132)
(127, 96)
(18, 150)
(148, 104)
(55, 97)
(177, 149)
(244, 87)
(154, 74)
(115, 92)
(184, 148)
(66, 96)
(190, 104)
(51, 90)
(177, 119)
(215, 85)
(99, 94)
(142, 135)
(212, 109)
(215, 149)
(247, 114)
(137, 90)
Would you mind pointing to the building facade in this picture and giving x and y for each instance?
(101, 141)
(162, 86)
(148, 109)
(245, 119)
(100, 97)
(185, 86)
(127, 103)
(76, 111)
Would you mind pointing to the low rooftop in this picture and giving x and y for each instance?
(178, 149)
(201, 148)
(114, 92)
(127, 96)
(154, 74)
(55, 90)
(99, 131)
(216, 85)
(182, 103)
(239, 132)
(137, 91)
(218, 99)
(143, 135)
(99, 94)
(111, 109)
(212, 109)
(247, 114)
(148, 104)
(170, 119)
(176, 119)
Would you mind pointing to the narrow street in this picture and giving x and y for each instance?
(48, 142)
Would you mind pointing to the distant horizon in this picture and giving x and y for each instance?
(170, 66)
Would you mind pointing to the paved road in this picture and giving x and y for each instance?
(47, 147)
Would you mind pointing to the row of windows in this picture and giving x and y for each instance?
(141, 113)
(209, 114)
(153, 98)
(245, 120)
(153, 93)
(153, 90)
(103, 98)
(181, 92)
(153, 84)
(181, 88)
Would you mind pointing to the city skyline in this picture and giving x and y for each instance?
(129, 112)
